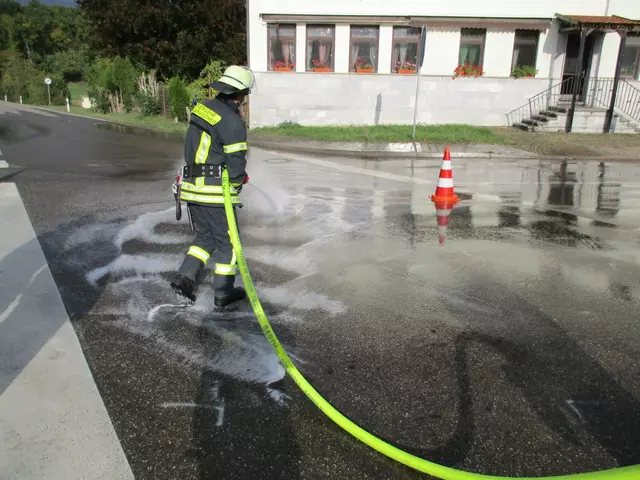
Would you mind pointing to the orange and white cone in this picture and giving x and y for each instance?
(444, 190)
(443, 210)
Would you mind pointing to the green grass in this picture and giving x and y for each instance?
(159, 123)
(388, 133)
(78, 90)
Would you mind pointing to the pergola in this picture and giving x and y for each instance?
(585, 25)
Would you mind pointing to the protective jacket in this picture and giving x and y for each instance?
(216, 139)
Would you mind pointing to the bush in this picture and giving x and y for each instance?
(116, 79)
(37, 90)
(199, 88)
(22, 78)
(178, 98)
(148, 104)
(99, 100)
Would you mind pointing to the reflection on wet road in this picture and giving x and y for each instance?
(511, 348)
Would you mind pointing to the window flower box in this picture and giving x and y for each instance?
(523, 72)
(363, 66)
(283, 67)
(319, 66)
(468, 70)
(406, 68)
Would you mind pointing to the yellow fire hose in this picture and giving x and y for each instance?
(417, 463)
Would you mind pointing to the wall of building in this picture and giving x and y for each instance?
(342, 99)
(347, 98)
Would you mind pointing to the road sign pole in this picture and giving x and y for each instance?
(47, 81)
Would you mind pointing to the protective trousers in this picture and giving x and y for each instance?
(211, 242)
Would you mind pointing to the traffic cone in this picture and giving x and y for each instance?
(444, 190)
(443, 210)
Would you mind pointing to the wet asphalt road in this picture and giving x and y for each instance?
(511, 349)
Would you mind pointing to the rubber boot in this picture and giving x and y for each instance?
(184, 287)
(235, 295)
(225, 292)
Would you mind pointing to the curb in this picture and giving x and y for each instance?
(9, 171)
(108, 120)
(378, 155)
(283, 147)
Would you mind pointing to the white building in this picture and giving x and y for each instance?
(324, 40)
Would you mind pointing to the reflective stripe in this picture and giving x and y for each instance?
(209, 199)
(445, 182)
(225, 269)
(211, 189)
(235, 147)
(203, 149)
(199, 253)
(206, 114)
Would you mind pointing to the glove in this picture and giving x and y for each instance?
(246, 179)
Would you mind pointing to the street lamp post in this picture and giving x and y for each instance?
(421, 45)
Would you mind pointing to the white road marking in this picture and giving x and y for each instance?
(70, 434)
(3, 164)
(9, 310)
(16, 301)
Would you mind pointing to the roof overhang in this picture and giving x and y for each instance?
(470, 22)
(611, 23)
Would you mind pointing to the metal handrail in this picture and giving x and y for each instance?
(627, 97)
(550, 97)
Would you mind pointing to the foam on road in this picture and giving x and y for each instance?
(53, 422)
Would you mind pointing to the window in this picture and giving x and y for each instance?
(405, 48)
(320, 46)
(525, 50)
(630, 67)
(364, 48)
(282, 46)
(472, 46)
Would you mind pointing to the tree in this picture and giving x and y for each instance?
(173, 37)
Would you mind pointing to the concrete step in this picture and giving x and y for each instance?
(549, 113)
(540, 118)
(522, 126)
(558, 109)
(530, 122)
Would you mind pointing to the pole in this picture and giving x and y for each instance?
(20, 98)
(616, 81)
(68, 106)
(49, 93)
(576, 81)
(418, 68)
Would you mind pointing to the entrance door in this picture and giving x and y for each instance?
(571, 64)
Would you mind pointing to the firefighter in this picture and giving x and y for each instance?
(216, 140)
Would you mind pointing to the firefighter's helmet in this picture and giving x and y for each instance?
(235, 79)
